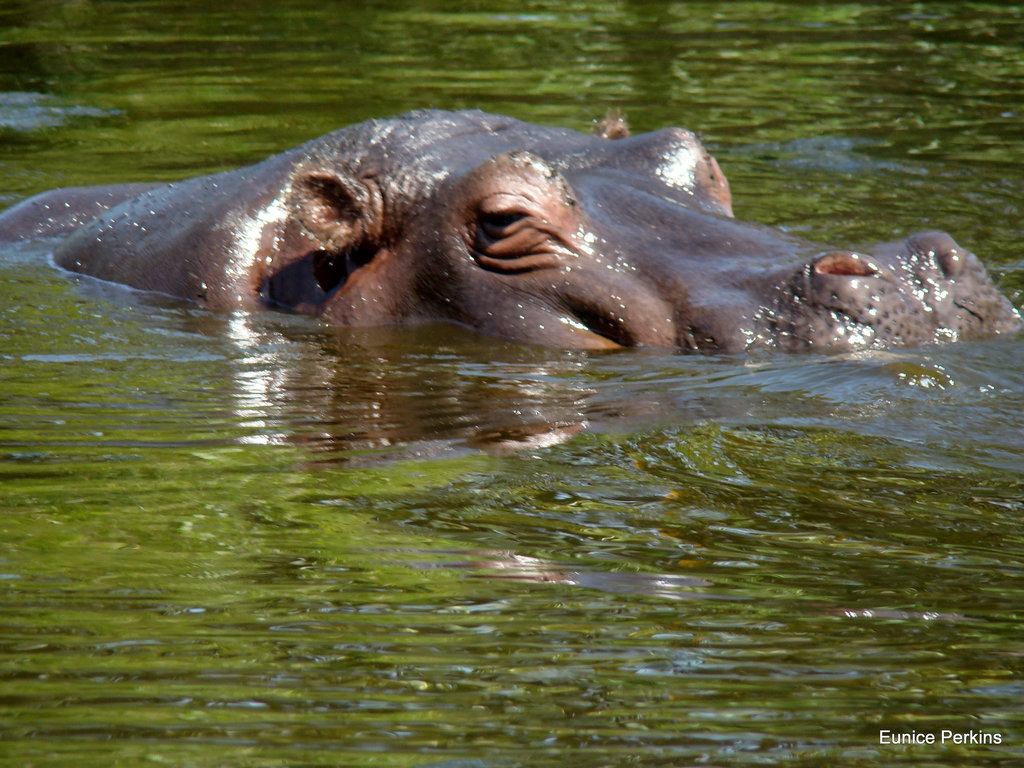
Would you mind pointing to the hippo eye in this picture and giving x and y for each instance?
(513, 241)
(495, 225)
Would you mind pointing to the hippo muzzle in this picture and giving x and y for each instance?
(920, 290)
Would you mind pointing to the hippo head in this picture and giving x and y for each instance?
(548, 235)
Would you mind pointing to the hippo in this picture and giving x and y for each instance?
(532, 233)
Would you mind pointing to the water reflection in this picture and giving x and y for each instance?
(362, 395)
(505, 564)
(27, 111)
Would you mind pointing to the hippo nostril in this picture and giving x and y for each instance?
(950, 257)
(951, 262)
(843, 263)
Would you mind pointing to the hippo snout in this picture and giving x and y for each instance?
(923, 289)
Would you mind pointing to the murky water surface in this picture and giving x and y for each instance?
(252, 540)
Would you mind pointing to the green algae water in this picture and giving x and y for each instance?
(253, 540)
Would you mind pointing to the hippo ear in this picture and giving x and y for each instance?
(342, 213)
(338, 210)
(612, 126)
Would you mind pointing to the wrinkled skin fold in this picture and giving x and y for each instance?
(528, 232)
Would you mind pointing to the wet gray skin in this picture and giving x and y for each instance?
(532, 233)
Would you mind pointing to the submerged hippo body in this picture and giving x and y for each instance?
(528, 232)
